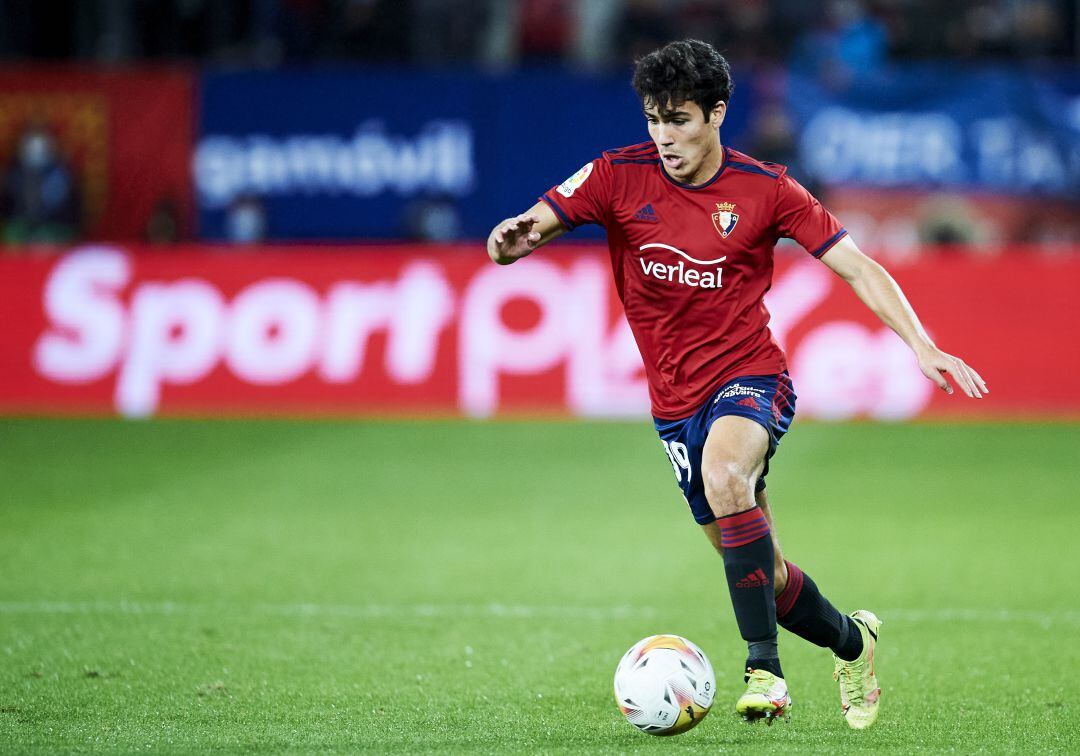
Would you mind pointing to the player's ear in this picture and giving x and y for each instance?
(716, 115)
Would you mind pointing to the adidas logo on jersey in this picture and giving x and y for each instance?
(647, 214)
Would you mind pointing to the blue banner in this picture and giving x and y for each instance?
(356, 154)
(936, 127)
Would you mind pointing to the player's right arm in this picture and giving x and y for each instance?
(517, 237)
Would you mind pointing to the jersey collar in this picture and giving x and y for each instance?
(696, 187)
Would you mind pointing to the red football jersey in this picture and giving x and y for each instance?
(692, 263)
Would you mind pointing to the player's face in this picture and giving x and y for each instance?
(688, 141)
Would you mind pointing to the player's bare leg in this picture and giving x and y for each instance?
(732, 460)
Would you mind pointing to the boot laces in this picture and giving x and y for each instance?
(759, 681)
(851, 676)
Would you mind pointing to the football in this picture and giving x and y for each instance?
(664, 685)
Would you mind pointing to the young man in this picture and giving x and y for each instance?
(691, 227)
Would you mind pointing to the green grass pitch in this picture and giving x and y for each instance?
(455, 586)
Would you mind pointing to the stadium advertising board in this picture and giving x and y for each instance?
(439, 330)
(928, 126)
(359, 153)
(124, 136)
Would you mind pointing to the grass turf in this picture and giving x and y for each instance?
(403, 587)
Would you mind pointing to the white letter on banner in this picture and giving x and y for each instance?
(267, 166)
(455, 163)
(794, 294)
(87, 333)
(353, 312)
(487, 347)
(842, 369)
(996, 146)
(902, 391)
(606, 377)
(413, 311)
(831, 366)
(368, 147)
(273, 331)
(175, 338)
(220, 168)
(424, 306)
(828, 144)
(940, 147)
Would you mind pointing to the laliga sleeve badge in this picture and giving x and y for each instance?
(568, 187)
(724, 218)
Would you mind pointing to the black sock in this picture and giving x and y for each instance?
(802, 609)
(748, 564)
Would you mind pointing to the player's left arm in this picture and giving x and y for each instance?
(880, 292)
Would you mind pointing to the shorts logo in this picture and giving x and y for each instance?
(737, 389)
(568, 187)
(747, 401)
(725, 218)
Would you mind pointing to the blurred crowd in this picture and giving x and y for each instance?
(593, 33)
(833, 40)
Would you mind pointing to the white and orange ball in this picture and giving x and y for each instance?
(664, 685)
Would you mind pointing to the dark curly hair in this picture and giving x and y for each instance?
(685, 71)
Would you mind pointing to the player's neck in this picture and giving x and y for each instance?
(710, 164)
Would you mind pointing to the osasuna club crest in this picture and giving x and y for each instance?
(725, 218)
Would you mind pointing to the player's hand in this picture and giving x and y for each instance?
(935, 363)
(513, 239)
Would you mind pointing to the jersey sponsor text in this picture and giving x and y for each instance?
(679, 273)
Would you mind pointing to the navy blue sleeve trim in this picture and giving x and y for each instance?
(830, 243)
(558, 211)
(638, 151)
(747, 168)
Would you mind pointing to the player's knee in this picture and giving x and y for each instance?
(729, 488)
(779, 579)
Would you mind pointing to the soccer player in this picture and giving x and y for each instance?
(691, 226)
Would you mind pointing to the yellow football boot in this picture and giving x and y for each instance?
(859, 690)
(766, 697)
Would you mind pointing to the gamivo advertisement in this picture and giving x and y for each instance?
(440, 330)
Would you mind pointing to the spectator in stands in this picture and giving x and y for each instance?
(39, 200)
(949, 222)
(245, 220)
(449, 30)
(772, 138)
(744, 29)
(370, 30)
(163, 226)
(772, 135)
(595, 25)
(545, 29)
(646, 25)
(593, 33)
(433, 219)
(850, 42)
